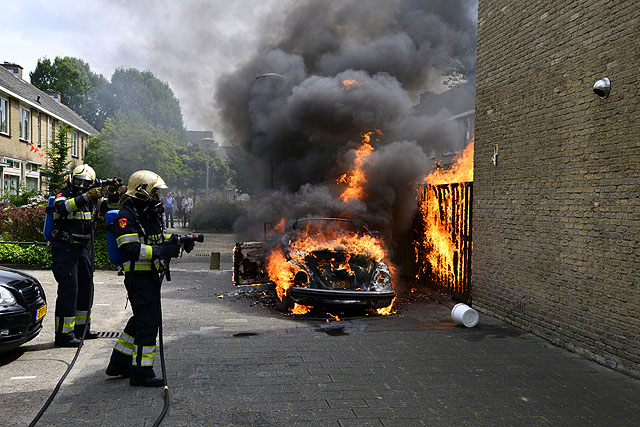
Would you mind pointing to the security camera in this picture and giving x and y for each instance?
(602, 87)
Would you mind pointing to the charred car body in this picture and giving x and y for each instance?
(319, 262)
(23, 306)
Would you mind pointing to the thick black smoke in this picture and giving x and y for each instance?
(304, 127)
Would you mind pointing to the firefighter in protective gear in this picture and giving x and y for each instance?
(71, 254)
(139, 234)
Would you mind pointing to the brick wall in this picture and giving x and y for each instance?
(556, 223)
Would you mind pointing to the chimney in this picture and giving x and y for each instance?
(15, 69)
(54, 94)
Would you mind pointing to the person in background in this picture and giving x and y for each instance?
(187, 206)
(179, 209)
(169, 203)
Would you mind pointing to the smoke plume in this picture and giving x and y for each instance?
(298, 117)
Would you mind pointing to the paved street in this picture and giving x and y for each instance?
(233, 360)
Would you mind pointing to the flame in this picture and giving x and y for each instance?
(349, 84)
(311, 238)
(279, 227)
(460, 171)
(300, 309)
(440, 211)
(356, 178)
(385, 311)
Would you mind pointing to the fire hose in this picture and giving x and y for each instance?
(84, 332)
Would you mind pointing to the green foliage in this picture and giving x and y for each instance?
(243, 170)
(22, 224)
(40, 255)
(128, 143)
(133, 91)
(57, 169)
(36, 255)
(82, 90)
(193, 172)
(24, 197)
(216, 214)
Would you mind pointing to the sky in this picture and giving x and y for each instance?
(188, 44)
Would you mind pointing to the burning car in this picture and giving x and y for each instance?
(319, 262)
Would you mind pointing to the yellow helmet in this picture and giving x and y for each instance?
(83, 176)
(144, 184)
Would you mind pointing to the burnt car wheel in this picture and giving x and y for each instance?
(23, 306)
(286, 303)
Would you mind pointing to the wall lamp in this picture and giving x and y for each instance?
(602, 87)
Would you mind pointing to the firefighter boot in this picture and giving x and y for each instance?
(90, 335)
(66, 340)
(145, 377)
(113, 370)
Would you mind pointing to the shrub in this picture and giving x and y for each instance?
(216, 214)
(40, 255)
(22, 224)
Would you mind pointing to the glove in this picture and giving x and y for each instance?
(166, 251)
(112, 194)
(95, 193)
(188, 246)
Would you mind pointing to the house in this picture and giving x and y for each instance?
(29, 119)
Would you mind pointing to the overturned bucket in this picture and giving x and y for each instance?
(464, 315)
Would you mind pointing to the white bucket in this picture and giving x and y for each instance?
(464, 315)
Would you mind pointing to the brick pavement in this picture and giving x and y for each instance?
(233, 360)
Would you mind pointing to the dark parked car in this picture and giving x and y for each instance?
(320, 276)
(23, 306)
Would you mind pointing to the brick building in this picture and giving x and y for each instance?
(29, 118)
(556, 219)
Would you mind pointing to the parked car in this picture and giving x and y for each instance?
(320, 276)
(23, 306)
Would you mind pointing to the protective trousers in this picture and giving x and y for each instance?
(73, 270)
(136, 346)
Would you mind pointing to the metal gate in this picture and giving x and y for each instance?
(437, 250)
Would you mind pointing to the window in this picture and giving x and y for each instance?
(53, 131)
(74, 144)
(39, 130)
(4, 115)
(25, 124)
(11, 184)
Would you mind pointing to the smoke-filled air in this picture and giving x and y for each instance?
(306, 81)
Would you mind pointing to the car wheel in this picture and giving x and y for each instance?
(285, 304)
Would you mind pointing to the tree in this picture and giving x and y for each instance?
(56, 169)
(132, 91)
(81, 89)
(194, 161)
(128, 143)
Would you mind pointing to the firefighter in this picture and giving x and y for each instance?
(141, 241)
(71, 254)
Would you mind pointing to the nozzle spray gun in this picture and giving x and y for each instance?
(186, 242)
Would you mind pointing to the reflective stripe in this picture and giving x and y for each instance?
(146, 252)
(148, 354)
(138, 265)
(70, 205)
(125, 344)
(81, 317)
(79, 215)
(127, 238)
(68, 324)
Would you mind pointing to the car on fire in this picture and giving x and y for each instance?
(318, 262)
(23, 305)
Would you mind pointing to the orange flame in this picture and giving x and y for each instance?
(461, 170)
(439, 209)
(349, 84)
(385, 311)
(356, 178)
(282, 271)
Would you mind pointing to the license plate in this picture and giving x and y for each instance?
(41, 312)
(341, 284)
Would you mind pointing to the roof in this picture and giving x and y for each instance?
(28, 93)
